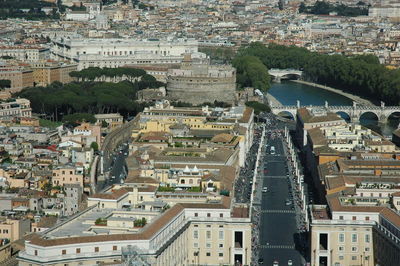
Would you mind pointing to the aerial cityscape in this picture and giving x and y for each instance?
(200, 132)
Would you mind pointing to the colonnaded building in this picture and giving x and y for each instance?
(112, 53)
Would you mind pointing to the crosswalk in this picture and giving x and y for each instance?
(277, 246)
(278, 211)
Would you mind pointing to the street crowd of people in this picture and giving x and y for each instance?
(244, 183)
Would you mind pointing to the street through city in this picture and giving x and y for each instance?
(279, 234)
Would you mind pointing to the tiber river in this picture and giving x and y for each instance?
(289, 92)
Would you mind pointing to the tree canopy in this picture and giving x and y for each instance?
(360, 75)
(251, 72)
(5, 83)
(92, 73)
(58, 100)
(324, 8)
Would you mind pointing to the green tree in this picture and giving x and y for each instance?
(251, 72)
(94, 146)
(5, 83)
(79, 117)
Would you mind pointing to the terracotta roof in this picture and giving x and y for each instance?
(317, 137)
(246, 115)
(335, 205)
(116, 194)
(141, 180)
(307, 117)
(223, 137)
(147, 189)
(392, 216)
(47, 222)
(240, 212)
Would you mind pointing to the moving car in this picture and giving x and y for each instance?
(275, 263)
(265, 189)
(289, 262)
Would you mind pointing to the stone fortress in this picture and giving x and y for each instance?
(197, 83)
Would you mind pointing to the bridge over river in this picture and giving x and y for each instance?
(278, 74)
(354, 112)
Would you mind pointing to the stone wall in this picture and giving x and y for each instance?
(197, 90)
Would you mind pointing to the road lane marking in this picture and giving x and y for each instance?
(278, 211)
(277, 246)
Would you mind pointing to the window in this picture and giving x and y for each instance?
(63, 252)
(221, 234)
(208, 245)
(221, 245)
(353, 257)
(341, 257)
(341, 248)
(36, 252)
(367, 238)
(115, 248)
(221, 215)
(354, 218)
(354, 249)
(78, 250)
(96, 249)
(208, 214)
(208, 234)
(220, 254)
(353, 238)
(208, 254)
(195, 245)
(341, 237)
(366, 218)
(367, 249)
(195, 234)
(196, 214)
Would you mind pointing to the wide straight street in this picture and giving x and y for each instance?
(278, 231)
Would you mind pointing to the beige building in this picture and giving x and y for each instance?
(14, 229)
(67, 175)
(340, 242)
(19, 108)
(185, 234)
(113, 120)
(20, 78)
(47, 72)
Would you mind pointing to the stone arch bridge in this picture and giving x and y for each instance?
(278, 74)
(355, 111)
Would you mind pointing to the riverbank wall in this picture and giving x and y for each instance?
(272, 101)
(352, 97)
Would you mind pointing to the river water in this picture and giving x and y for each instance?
(289, 92)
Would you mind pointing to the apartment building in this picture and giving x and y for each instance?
(185, 234)
(340, 242)
(66, 174)
(25, 53)
(14, 229)
(113, 120)
(18, 108)
(92, 133)
(20, 78)
(194, 123)
(47, 72)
